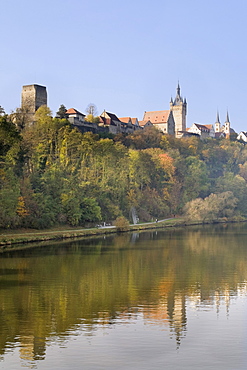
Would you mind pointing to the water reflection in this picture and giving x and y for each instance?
(52, 292)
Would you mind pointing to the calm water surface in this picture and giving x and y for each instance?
(156, 300)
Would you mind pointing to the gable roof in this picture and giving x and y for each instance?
(112, 116)
(74, 111)
(125, 119)
(134, 120)
(160, 116)
(144, 122)
(210, 127)
(106, 121)
(202, 127)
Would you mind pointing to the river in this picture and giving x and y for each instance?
(166, 299)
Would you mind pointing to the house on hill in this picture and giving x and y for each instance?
(132, 124)
(77, 119)
(202, 130)
(211, 130)
(109, 121)
(144, 124)
(242, 136)
(163, 120)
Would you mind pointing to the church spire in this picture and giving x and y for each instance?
(227, 128)
(178, 99)
(217, 123)
(217, 117)
(227, 117)
(178, 90)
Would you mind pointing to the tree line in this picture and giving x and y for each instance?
(52, 174)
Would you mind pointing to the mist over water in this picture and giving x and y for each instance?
(173, 299)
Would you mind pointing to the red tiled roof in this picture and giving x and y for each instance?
(74, 111)
(125, 119)
(133, 120)
(160, 116)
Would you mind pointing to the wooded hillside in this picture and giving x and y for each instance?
(51, 174)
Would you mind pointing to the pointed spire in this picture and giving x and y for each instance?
(217, 117)
(178, 100)
(227, 117)
(178, 90)
(171, 101)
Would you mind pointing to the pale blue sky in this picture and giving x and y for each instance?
(127, 56)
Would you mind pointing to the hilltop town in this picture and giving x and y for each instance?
(171, 121)
(74, 169)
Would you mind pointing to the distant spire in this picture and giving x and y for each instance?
(217, 117)
(171, 101)
(227, 117)
(178, 89)
(178, 100)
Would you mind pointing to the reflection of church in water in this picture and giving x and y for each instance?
(171, 308)
(32, 348)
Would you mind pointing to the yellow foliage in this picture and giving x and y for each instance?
(21, 210)
(122, 224)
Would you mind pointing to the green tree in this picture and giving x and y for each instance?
(237, 185)
(195, 178)
(9, 197)
(9, 135)
(2, 112)
(61, 113)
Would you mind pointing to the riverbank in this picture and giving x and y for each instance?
(13, 239)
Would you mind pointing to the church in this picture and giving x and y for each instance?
(172, 121)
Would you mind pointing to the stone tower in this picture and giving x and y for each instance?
(179, 110)
(32, 97)
(217, 123)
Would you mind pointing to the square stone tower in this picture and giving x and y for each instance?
(32, 97)
(179, 110)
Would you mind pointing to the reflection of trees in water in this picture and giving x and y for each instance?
(100, 282)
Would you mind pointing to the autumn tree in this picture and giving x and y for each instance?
(92, 112)
(211, 208)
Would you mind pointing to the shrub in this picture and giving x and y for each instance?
(122, 224)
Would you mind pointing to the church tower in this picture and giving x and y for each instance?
(217, 123)
(179, 110)
(227, 128)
